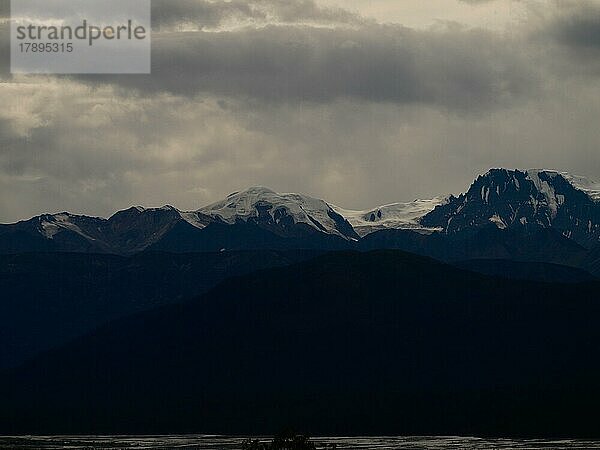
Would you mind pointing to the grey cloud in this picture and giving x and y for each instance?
(580, 29)
(168, 13)
(94, 150)
(360, 115)
(456, 69)
(568, 39)
(291, 11)
(204, 14)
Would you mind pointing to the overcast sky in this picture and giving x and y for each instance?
(359, 102)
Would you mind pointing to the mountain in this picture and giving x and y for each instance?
(537, 216)
(50, 298)
(555, 206)
(255, 218)
(527, 271)
(592, 262)
(516, 199)
(126, 232)
(289, 215)
(532, 243)
(361, 343)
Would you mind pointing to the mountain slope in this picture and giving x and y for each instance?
(243, 236)
(126, 232)
(505, 199)
(381, 342)
(532, 271)
(531, 243)
(258, 215)
(50, 298)
(515, 199)
(290, 215)
(58, 232)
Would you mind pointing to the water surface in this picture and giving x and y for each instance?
(231, 443)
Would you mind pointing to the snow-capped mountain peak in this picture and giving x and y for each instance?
(501, 198)
(280, 211)
(515, 198)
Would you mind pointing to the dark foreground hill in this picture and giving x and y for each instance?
(349, 343)
(532, 271)
(50, 298)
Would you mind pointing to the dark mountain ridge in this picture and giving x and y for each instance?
(531, 243)
(361, 343)
(513, 199)
(50, 298)
(259, 218)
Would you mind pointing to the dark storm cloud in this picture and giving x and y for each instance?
(209, 14)
(579, 29)
(456, 68)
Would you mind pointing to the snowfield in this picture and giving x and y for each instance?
(394, 216)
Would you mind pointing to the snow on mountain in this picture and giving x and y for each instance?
(502, 198)
(125, 232)
(545, 186)
(51, 225)
(590, 187)
(393, 216)
(543, 180)
(262, 205)
(194, 218)
(534, 197)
